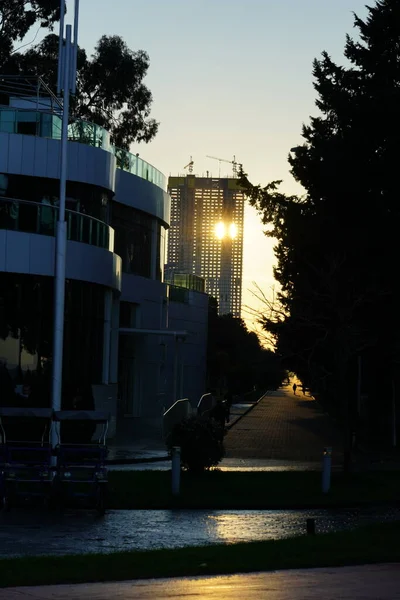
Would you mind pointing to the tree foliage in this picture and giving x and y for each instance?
(236, 359)
(336, 245)
(110, 88)
(18, 16)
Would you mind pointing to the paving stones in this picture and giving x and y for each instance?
(284, 426)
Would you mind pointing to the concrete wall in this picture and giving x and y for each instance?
(193, 318)
(34, 254)
(156, 368)
(40, 157)
(143, 195)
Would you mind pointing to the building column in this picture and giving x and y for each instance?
(114, 341)
(155, 260)
(108, 300)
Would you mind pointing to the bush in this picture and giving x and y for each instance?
(200, 440)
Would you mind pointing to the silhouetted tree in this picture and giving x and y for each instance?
(110, 88)
(16, 19)
(236, 359)
(337, 244)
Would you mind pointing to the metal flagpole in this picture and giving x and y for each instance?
(66, 83)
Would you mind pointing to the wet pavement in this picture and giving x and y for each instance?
(230, 464)
(370, 582)
(35, 533)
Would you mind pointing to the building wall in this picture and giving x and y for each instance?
(164, 368)
(138, 379)
(193, 318)
(206, 235)
(143, 195)
(40, 157)
(35, 255)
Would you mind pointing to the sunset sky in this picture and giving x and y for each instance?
(228, 78)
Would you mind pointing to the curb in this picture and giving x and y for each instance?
(240, 417)
(136, 461)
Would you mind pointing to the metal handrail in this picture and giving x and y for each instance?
(107, 243)
(175, 414)
(202, 400)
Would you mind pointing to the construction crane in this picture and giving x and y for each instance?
(189, 166)
(233, 162)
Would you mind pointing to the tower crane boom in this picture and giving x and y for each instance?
(232, 162)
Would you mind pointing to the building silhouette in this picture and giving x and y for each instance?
(206, 236)
(138, 343)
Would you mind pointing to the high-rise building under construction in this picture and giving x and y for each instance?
(206, 236)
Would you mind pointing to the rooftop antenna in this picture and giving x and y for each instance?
(190, 165)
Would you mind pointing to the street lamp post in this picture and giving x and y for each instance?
(66, 83)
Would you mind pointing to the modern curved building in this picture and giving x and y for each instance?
(136, 342)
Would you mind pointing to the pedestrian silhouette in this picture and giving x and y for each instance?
(294, 388)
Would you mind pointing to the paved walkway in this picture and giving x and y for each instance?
(372, 582)
(284, 426)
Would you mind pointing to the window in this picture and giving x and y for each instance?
(26, 331)
(133, 233)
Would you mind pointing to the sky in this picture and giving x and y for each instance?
(228, 78)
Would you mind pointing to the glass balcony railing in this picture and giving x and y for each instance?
(186, 280)
(136, 165)
(88, 133)
(44, 124)
(34, 217)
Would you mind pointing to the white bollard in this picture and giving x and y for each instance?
(176, 470)
(326, 469)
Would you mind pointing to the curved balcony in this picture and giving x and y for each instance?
(40, 218)
(126, 161)
(48, 124)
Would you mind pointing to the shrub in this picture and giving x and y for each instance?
(200, 440)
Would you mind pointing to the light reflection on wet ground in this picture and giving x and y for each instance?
(229, 464)
(33, 533)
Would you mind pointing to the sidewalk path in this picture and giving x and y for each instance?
(371, 582)
(284, 426)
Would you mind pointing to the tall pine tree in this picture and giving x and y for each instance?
(337, 246)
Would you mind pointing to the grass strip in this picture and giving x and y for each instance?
(251, 490)
(367, 545)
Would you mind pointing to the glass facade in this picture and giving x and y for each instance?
(80, 197)
(133, 239)
(186, 280)
(44, 124)
(161, 251)
(31, 217)
(26, 335)
(30, 204)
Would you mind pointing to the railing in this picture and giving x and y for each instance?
(90, 134)
(47, 124)
(132, 163)
(206, 404)
(178, 294)
(175, 414)
(41, 218)
(186, 280)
